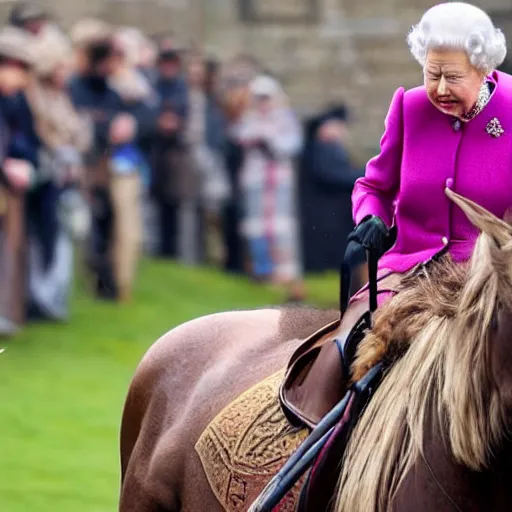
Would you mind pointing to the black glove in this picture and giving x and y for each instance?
(372, 234)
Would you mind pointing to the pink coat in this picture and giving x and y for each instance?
(422, 154)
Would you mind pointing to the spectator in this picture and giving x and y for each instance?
(92, 95)
(64, 136)
(129, 160)
(206, 138)
(235, 102)
(174, 180)
(271, 137)
(327, 179)
(16, 174)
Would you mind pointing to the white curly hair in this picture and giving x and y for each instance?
(459, 26)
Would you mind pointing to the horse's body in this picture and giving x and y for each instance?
(184, 380)
(434, 436)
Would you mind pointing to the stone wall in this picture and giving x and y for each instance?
(323, 50)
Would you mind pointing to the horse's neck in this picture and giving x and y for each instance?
(448, 486)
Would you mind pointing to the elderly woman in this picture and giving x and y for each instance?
(271, 137)
(452, 132)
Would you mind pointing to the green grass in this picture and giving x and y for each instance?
(62, 387)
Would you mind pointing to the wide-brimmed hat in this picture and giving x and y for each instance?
(16, 44)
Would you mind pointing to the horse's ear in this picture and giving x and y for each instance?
(481, 218)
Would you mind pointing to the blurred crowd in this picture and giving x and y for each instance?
(114, 143)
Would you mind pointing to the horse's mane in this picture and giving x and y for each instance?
(436, 332)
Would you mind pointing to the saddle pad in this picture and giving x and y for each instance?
(246, 444)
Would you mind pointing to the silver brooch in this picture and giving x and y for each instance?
(494, 128)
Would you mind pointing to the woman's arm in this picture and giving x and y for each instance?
(375, 193)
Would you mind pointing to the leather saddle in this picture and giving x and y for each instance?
(318, 372)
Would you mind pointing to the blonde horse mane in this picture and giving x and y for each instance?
(443, 319)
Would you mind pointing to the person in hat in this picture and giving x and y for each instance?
(326, 181)
(271, 137)
(16, 175)
(171, 164)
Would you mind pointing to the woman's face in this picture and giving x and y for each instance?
(452, 82)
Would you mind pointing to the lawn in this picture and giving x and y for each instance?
(62, 387)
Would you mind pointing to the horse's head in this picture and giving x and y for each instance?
(483, 348)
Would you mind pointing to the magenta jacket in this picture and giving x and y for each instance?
(421, 154)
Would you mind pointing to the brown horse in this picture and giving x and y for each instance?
(433, 437)
(183, 381)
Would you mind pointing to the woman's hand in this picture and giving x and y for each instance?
(373, 234)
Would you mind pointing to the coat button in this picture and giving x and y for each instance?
(449, 183)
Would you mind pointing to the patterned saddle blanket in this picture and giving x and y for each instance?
(246, 444)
